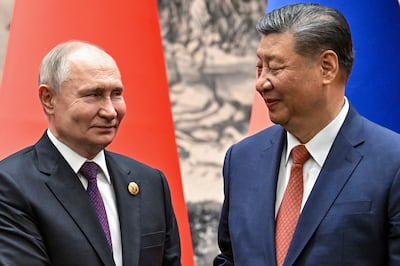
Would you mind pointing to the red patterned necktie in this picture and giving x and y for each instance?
(289, 210)
(89, 171)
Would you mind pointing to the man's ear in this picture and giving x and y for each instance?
(329, 63)
(47, 98)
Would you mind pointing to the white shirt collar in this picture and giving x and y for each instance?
(75, 160)
(320, 145)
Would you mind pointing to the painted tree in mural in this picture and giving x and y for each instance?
(205, 43)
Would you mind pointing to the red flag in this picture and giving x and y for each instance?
(129, 31)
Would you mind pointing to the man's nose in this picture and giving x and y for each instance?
(263, 83)
(108, 109)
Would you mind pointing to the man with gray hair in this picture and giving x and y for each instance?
(322, 186)
(68, 201)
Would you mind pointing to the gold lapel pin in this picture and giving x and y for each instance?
(133, 188)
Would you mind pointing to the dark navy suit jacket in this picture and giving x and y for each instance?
(46, 217)
(352, 216)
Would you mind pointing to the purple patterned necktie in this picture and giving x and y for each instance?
(89, 171)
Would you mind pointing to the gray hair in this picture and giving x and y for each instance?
(315, 28)
(54, 68)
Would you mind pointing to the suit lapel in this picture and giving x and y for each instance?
(271, 156)
(128, 209)
(337, 169)
(68, 190)
(257, 201)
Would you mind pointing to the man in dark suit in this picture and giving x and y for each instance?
(46, 215)
(348, 211)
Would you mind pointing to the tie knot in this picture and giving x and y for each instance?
(300, 154)
(89, 170)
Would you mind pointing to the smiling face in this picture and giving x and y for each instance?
(86, 113)
(292, 86)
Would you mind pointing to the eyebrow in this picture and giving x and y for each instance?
(270, 58)
(101, 89)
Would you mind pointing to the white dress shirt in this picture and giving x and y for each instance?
(318, 147)
(105, 187)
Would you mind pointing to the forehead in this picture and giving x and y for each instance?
(88, 69)
(92, 61)
(275, 44)
(87, 55)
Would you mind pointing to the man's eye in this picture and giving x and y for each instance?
(91, 95)
(275, 69)
(259, 70)
(117, 93)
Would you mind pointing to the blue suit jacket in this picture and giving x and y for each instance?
(46, 217)
(352, 216)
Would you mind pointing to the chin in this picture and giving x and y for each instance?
(278, 118)
(275, 120)
(104, 142)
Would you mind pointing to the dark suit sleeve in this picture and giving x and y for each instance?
(394, 222)
(172, 251)
(226, 256)
(20, 240)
